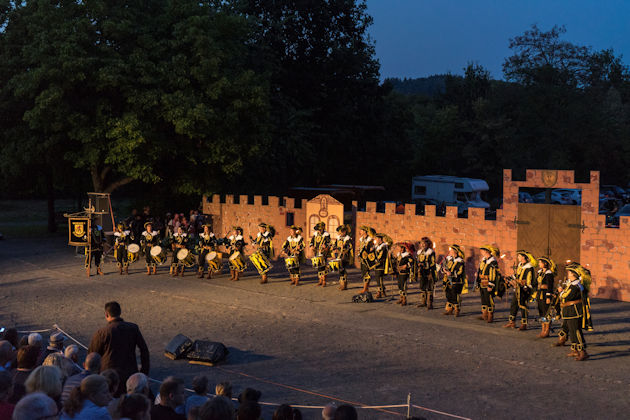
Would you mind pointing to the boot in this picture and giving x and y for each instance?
(449, 310)
(430, 302)
(523, 327)
(297, 280)
(99, 271)
(237, 274)
(127, 270)
(154, 269)
(573, 352)
(456, 313)
(483, 316)
(404, 301)
(209, 276)
(399, 301)
(319, 280)
(378, 294)
(423, 300)
(263, 279)
(120, 270)
(292, 278)
(182, 272)
(510, 324)
(200, 273)
(561, 340)
(87, 271)
(384, 294)
(343, 283)
(149, 271)
(490, 317)
(171, 271)
(582, 355)
(545, 330)
(366, 286)
(323, 281)
(232, 275)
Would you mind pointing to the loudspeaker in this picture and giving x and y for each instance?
(178, 347)
(207, 351)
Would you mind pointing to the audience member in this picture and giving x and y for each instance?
(249, 394)
(283, 412)
(224, 389)
(117, 342)
(72, 353)
(134, 407)
(11, 335)
(346, 412)
(138, 383)
(111, 377)
(26, 362)
(89, 400)
(6, 355)
(65, 366)
(171, 396)
(23, 342)
(200, 386)
(46, 379)
(35, 406)
(6, 388)
(328, 413)
(35, 340)
(92, 365)
(55, 344)
(249, 410)
(217, 408)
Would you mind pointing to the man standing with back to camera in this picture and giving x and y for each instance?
(116, 343)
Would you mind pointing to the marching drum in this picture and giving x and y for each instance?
(261, 262)
(214, 261)
(186, 257)
(236, 262)
(133, 251)
(291, 263)
(334, 265)
(318, 261)
(158, 254)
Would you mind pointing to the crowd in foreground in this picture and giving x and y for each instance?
(39, 381)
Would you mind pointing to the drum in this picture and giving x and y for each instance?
(186, 257)
(318, 261)
(133, 251)
(158, 254)
(214, 261)
(261, 262)
(334, 265)
(236, 262)
(292, 262)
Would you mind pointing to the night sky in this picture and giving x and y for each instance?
(419, 38)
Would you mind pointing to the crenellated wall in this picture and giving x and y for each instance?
(606, 251)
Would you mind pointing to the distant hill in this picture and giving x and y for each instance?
(429, 86)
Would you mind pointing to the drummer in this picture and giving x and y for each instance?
(293, 248)
(122, 239)
(320, 246)
(236, 244)
(264, 245)
(180, 241)
(150, 238)
(207, 243)
(343, 251)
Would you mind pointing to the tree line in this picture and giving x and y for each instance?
(176, 98)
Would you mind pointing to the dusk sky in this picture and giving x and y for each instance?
(419, 38)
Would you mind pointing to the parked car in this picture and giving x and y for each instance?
(556, 198)
(573, 195)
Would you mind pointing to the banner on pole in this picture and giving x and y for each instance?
(78, 231)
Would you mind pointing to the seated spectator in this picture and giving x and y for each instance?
(249, 394)
(328, 413)
(134, 407)
(111, 376)
(89, 400)
(26, 362)
(35, 406)
(11, 335)
(36, 340)
(250, 410)
(23, 342)
(72, 353)
(46, 379)
(224, 389)
(138, 383)
(217, 408)
(200, 386)
(55, 344)
(92, 365)
(346, 412)
(283, 412)
(171, 396)
(6, 355)
(65, 366)
(6, 387)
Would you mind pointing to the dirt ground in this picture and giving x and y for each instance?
(307, 345)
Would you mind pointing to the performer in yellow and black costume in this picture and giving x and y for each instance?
(454, 279)
(235, 245)
(293, 248)
(264, 245)
(488, 280)
(122, 239)
(545, 279)
(405, 264)
(342, 249)
(207, 243)
(320, 246)
(150, 238)
(179, 241)
(97, 238)
(382, 264)
(367, 256)
(575, 311)
(426, 271)
(523, 284)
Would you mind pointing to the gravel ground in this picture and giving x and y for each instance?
(307, 345)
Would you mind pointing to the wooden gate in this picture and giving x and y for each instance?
(552, 230)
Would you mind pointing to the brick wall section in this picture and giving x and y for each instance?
(606, 251)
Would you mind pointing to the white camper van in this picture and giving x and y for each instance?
(450, 190)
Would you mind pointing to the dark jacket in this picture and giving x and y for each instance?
(116, 343)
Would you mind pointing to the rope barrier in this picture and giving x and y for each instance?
(357, 405)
